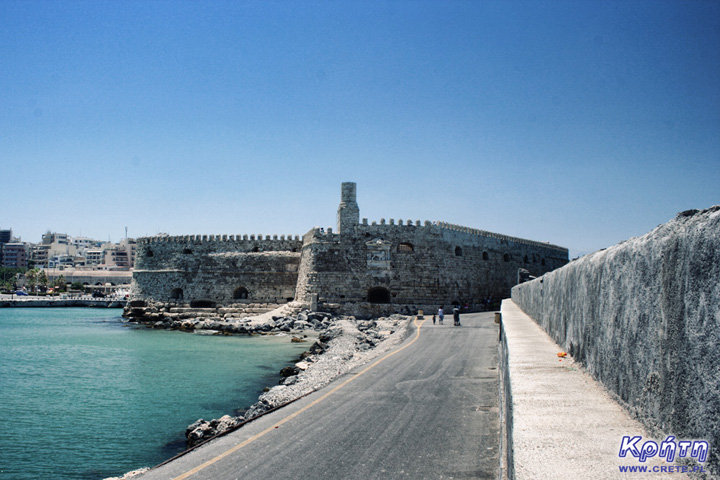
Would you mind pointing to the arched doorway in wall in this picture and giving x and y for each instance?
(378, 295)
(176, 294)
(202, 303)
(241, 293)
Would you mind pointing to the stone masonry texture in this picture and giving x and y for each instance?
(363, 269)
(644, 318)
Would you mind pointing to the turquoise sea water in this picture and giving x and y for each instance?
(84, 396)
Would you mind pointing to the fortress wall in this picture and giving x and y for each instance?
(162, 251)
(91, 277)
(223, 270)
(404, 265)
(644, 318)
(429, 264)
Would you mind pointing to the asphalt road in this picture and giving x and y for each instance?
(428, 409)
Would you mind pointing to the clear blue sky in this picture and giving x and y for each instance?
(579, 123)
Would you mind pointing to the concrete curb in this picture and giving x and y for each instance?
(560, 423)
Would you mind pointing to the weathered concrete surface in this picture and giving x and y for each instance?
(644, 318)
(561, 423)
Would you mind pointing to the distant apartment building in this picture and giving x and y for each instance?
(5, 237)
(56, 249)
(59, 250)
(95, 256)
(57, 238)
(14, 255)
(122, 255)
(39, 255)
(83, 244)
(57, 261)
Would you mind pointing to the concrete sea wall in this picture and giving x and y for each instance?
(644, 318)
(62, 303)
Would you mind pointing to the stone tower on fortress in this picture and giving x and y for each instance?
(364, 269)
(348, 212)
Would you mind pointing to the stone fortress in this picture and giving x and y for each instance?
(363, 269)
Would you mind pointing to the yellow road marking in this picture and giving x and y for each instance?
(290, 417)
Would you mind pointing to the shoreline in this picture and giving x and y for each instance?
(340, 345)
(62, 303)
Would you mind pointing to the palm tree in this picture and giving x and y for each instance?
(31, 278)
(60, 283)
(43, 279)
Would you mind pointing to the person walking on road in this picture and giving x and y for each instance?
(441, 314)
(456, 316)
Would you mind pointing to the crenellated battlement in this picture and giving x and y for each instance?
(390, 264)
(400, 222)
(460, 229)
(499, 236)
(217, 238)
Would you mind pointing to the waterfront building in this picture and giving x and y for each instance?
(95, 256)
(121, 255)
(39, 255)
(14, 255)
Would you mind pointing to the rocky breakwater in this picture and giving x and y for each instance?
(342, 344)
(184, 317)
(299, 322)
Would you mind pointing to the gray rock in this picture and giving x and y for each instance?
(203, 430)
(300, 325)
(330, 333)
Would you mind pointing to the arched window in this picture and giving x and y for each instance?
(149, 253)
(240, 293)
(486, 256)
(379, 295)
(458, 252)
(176, 294)
(542, 261)
(406, 247)
(526, 260)
(506, 257)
